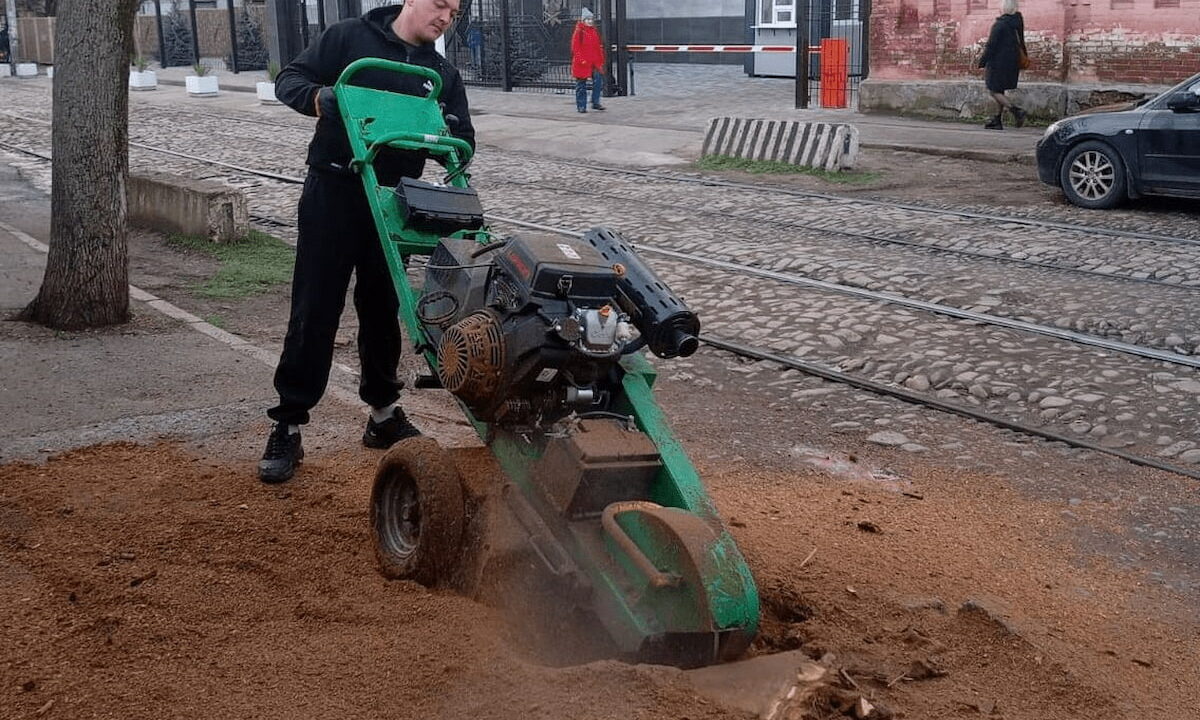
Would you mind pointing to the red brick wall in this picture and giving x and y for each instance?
(1117, 41)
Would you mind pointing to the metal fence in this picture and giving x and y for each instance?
(515, 43)
(230, 38)
(839, 60)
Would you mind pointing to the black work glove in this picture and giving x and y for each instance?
(327, 106)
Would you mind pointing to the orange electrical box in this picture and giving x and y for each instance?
(835, 72)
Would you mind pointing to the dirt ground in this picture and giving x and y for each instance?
(162, 580)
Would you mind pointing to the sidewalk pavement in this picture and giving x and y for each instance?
(153, 377)
(664, 123)
(171, 373)
(167, 373)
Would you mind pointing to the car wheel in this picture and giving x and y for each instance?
(1093, 176)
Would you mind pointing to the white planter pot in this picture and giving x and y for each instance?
(266, 93)
(5, 70)
(146, 80)
(26, 70)
(201, 85)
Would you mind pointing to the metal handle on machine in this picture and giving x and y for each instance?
(608, 520)
(392, 66)
(421, 141)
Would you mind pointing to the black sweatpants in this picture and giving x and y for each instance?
(337, 236)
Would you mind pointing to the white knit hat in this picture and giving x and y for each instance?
(585, 14)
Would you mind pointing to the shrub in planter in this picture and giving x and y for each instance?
(142, 78)
(266, 90)
(201, 83)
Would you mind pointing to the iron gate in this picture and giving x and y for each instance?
(836, 33)
(188, 33)
(516, 43)
(838, 38)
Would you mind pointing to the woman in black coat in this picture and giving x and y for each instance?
(1001, 63)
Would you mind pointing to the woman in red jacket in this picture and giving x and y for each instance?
(587, 61)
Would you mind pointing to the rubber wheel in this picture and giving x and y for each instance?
(417, 513)
(1093, 176)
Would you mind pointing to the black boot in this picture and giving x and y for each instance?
(995, 123)
(389, 432)
(1019, 116)
(282, 455)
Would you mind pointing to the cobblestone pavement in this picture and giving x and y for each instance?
(1143, 406)
(1120, 400)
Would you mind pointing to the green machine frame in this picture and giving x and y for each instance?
(665, 578)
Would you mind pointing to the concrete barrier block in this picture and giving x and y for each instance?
(5, 70)
(27, 70)
(203, 208)
(827, 146)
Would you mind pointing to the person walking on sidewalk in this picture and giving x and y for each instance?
(1001, 61)
(587, 61)
(337, 234)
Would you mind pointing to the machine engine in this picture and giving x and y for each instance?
(531, 329)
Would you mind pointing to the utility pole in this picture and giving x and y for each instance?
(233, 48)
(195, 33)
(162, 41)
(283, 31)
(621, 38)
(10, 14)
(802, 55)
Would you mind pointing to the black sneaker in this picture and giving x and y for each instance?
(597, 107)
(282, 455)
(389, 432)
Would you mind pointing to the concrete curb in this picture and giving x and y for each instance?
(996, 156)
(230, 88)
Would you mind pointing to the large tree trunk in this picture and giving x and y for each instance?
(87, 271)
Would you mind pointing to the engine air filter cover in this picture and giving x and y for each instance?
(471, 358)
(552, 267)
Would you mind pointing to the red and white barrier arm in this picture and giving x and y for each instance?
(717, 48)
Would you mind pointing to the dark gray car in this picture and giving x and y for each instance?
(1100, 159)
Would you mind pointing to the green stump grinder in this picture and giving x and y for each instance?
(540, 339)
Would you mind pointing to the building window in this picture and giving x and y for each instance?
(1166, 3)
(777, 12)
(977, 6)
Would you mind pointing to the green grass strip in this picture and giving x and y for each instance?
(249, 266)
(771, 167)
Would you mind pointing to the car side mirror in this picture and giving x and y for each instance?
(1184, 102)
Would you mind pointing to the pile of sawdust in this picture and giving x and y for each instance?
(149, 582)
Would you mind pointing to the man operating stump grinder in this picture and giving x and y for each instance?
(337, 234)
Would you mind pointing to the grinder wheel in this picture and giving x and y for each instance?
(417, 513)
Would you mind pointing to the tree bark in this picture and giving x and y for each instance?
(87, 271)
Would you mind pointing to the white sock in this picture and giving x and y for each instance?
(293, 429)
(383, 413)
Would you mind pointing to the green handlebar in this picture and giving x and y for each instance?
(392, 66)
(420, 141)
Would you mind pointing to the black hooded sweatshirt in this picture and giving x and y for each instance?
(369, 36)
